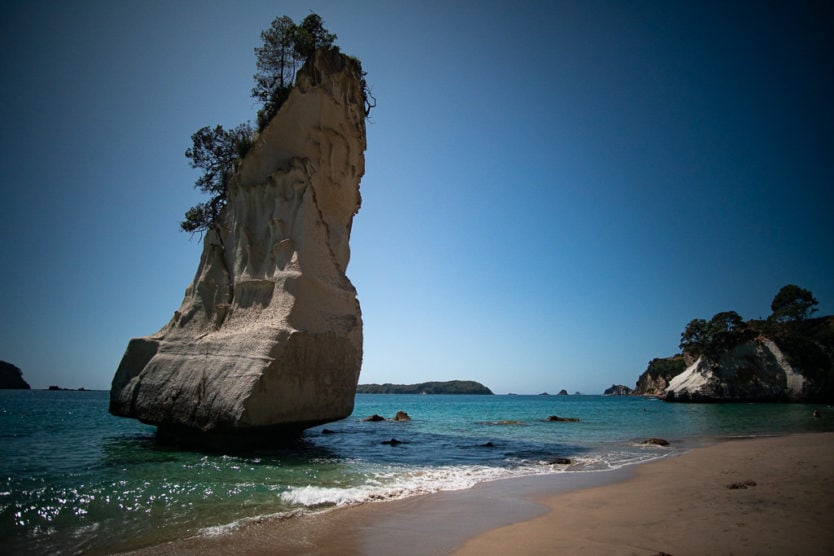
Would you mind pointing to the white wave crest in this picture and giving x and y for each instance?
(391, 486)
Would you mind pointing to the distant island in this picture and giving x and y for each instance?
(11, 377)
(449, 387)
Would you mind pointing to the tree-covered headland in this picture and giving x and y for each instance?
(791, 307)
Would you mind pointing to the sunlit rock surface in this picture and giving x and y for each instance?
(754, 371)
(268, 339)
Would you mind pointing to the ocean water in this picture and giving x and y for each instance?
(74, 479)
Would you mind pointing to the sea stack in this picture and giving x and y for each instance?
(268, 339)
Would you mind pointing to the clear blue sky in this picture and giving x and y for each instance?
(553, 189)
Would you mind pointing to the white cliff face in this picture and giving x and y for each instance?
(692, 380)
(269, 335)
(794, 382)
(755, 370)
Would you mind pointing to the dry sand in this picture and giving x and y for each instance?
(694, 504)
(680, 505)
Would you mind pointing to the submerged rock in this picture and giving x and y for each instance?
(563, 419)
(268, 340)
(11, 377)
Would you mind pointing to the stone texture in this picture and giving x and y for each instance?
(756, 370)
(655, 379)
(268, 339)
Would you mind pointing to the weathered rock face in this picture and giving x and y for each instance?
(11, 377)
(660, 371)
(757, 370)
(268, 339)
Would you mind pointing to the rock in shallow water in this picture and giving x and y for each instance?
(268, 340)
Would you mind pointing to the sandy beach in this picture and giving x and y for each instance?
(745, 496)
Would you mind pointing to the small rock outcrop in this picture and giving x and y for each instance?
(556, 418)
(617, 390)
(562, 392)
(656, 442)
(11, 377)
(268, 339)
(374, 418)
(402, 416)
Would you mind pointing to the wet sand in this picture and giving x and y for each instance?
(679, 505)
(756, 496)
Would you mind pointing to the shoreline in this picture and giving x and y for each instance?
(685, 507)
(758, 495)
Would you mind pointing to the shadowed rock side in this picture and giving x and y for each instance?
(268, 340)
(790, 362)
(756, 370)
(11, 377)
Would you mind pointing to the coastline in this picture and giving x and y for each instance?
(677, 505)
(766, 495)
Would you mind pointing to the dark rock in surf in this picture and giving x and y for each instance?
(374, 418)
(656, 442)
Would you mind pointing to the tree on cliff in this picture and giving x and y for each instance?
(217, 151)
(285, 47)
(724, 331)
(792, 303)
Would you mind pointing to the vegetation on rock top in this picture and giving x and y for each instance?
(808, 343)
(286, 47)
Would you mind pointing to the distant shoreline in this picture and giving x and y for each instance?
(447, 387)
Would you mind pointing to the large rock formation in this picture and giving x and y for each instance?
(268, 340)
(796, 364)
(11, 377)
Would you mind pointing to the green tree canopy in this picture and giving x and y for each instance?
(217, 151)
(723, 331)
(311, 35)
(792, 303)
(285, 47)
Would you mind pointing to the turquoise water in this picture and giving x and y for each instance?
(75, 479)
